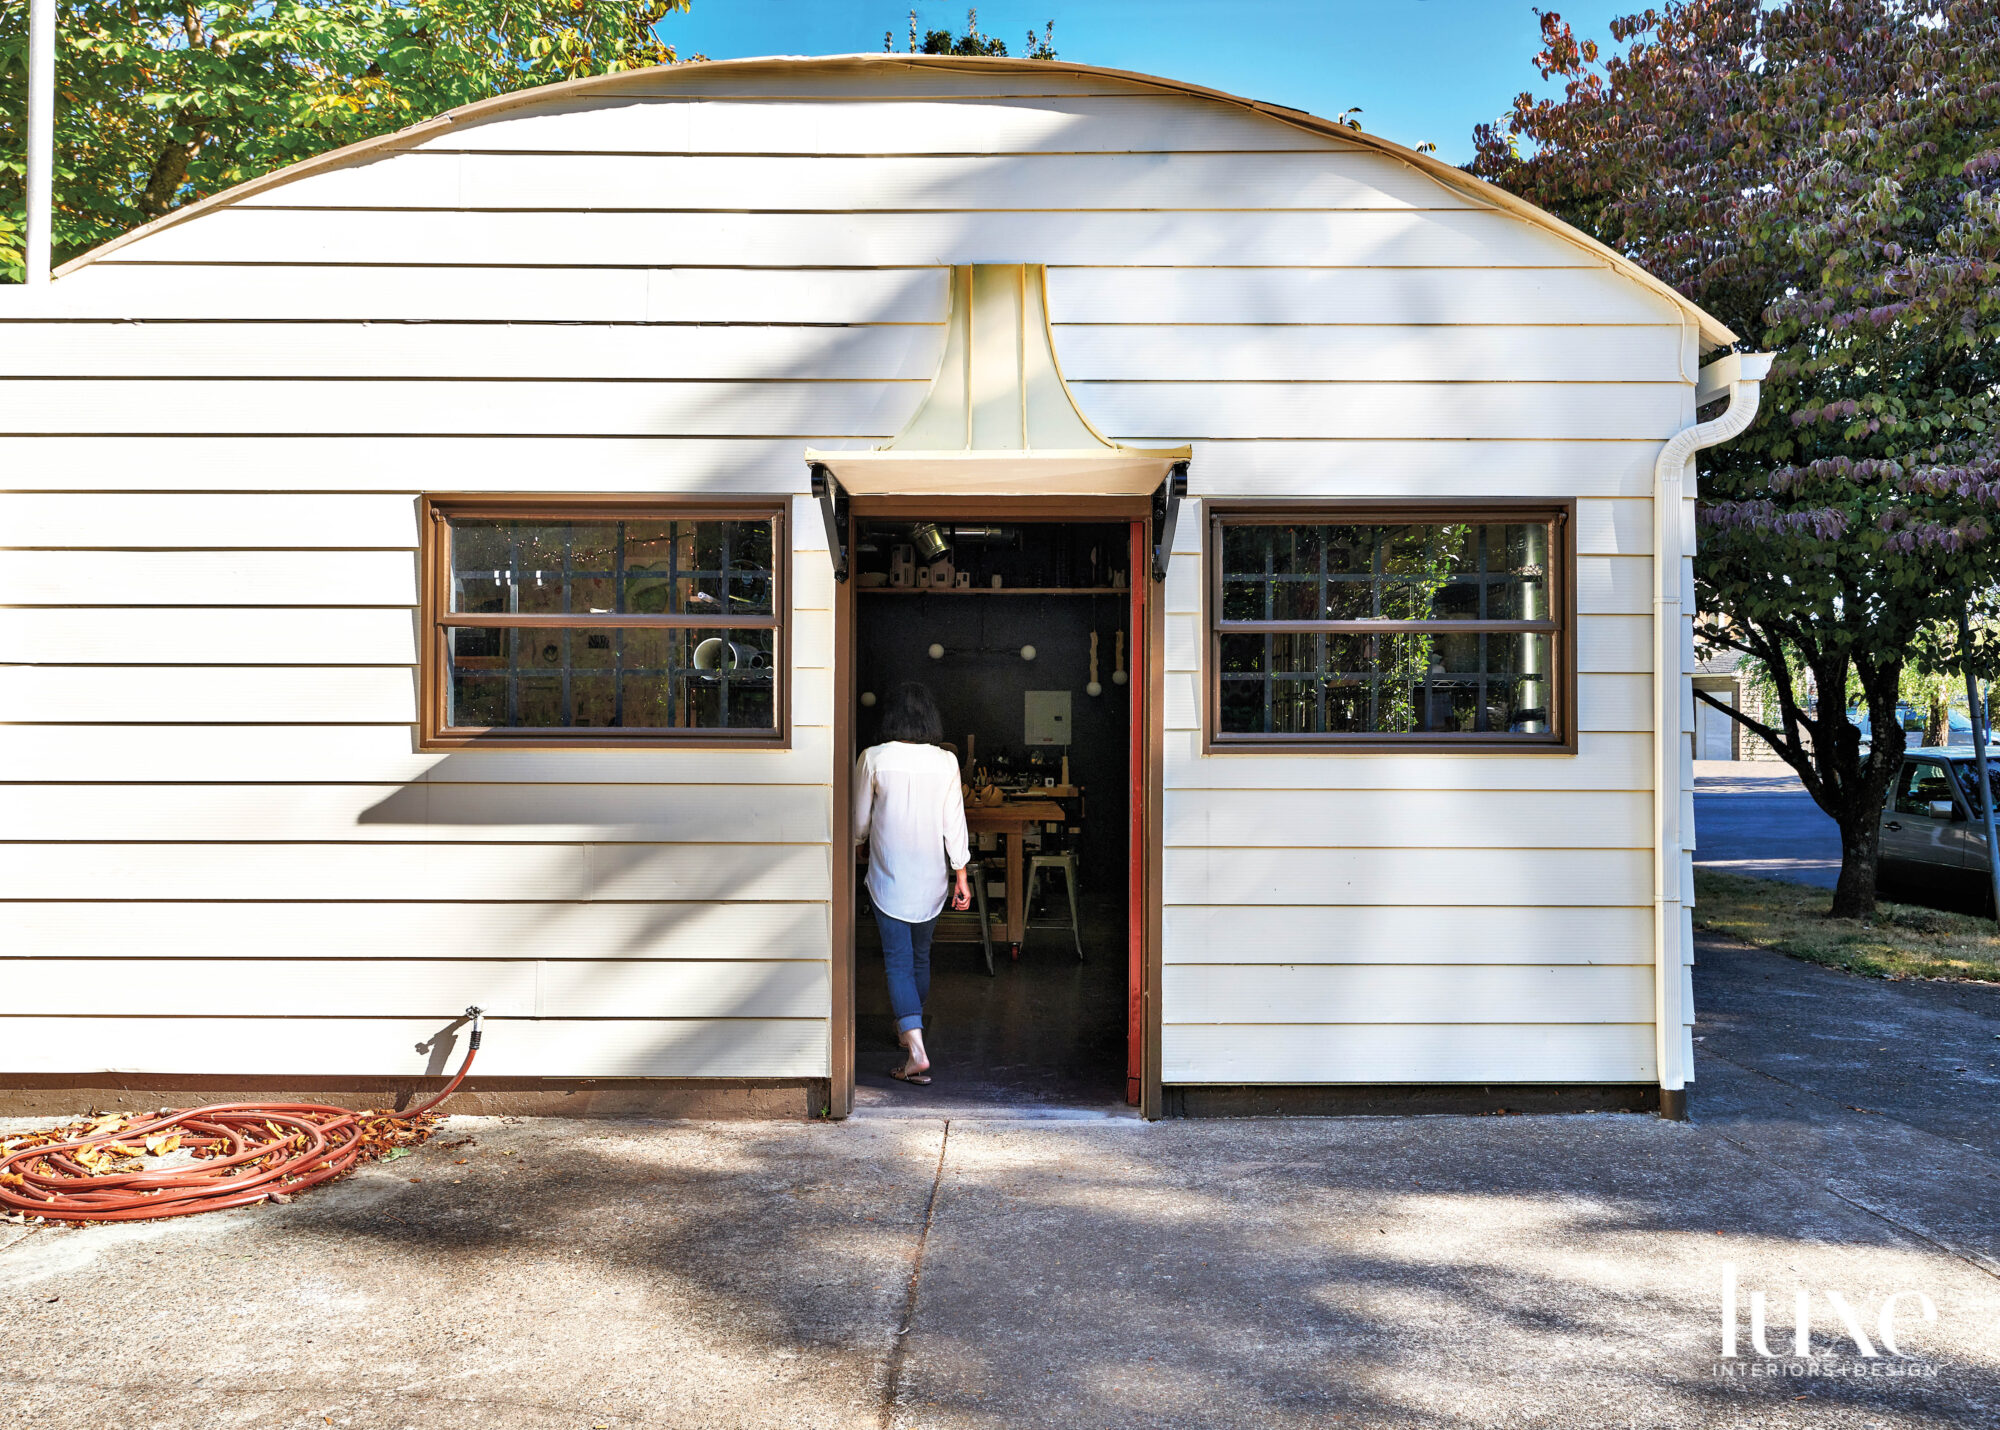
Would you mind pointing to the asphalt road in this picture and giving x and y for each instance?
(1754, 817)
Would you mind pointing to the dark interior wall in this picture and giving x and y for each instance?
(981, 683)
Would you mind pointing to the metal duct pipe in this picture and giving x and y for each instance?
(41, 137)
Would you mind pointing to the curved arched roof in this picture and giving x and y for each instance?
(1713, 332)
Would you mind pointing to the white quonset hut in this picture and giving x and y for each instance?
(418, 594)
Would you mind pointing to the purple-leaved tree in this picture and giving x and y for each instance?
(1824, 176)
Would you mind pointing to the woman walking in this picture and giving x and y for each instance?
(909, 809)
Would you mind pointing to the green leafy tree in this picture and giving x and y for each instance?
(1824, 176)
(159, 104)
(944, 42)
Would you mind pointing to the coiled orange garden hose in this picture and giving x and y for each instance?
(244, 1152)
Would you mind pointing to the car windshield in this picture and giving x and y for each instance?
(1968, 780)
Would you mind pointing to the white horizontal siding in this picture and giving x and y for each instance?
(1333, 467)
(1514, 411)
(1423, 993)
(187, 929)
(334, 1047)
(946, 124)
(134, 520)
(1614, 702)
(1327, 289)
(1438, 877)
(1602, 762)
(858, 409)
(1411, 1053)
(381, 988)
(208, 578)
(529, 293)
(1614, 644)
(1614, 528)
(531, 873)
(864, 183)
(1372, 353)
(892, 352)
(1467, 818)
(1356, 238)
(1614, 585)
(1377, 410)
(887, 351)
(425, 810)
(284, 754)
(1242, 935)
(108, 635)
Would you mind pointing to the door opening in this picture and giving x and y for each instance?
(1028, 632)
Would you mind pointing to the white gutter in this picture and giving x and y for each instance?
(1738, 375)
(41, 136)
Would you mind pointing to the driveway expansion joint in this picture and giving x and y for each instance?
(892, 1377)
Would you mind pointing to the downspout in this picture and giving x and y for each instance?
(1738, 375)
(35, 239)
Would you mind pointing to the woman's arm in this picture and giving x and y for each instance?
(862, 797)
(957, 844)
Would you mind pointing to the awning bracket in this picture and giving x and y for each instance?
(833, 511)
(1166, 511)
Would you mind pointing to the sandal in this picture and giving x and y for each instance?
(915, 1079)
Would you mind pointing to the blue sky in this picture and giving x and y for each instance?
(1419, 69)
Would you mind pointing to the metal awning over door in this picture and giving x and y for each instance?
(998, 419)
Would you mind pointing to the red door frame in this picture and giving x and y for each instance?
(1136, 805)
(1146, 684)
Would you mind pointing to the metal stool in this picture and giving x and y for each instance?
(1066, 862)
(978, 877)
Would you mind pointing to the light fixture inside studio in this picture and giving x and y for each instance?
(929, 541)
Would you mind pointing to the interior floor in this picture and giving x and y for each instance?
(1045, 1035)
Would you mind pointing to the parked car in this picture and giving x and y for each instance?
(1933, 830)
(1958, 725)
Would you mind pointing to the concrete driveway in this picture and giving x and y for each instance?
(1097, 1271)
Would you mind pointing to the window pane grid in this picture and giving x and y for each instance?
(668, 570)
(1434, 628)
(621, 624)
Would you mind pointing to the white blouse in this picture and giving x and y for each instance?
(908, 806)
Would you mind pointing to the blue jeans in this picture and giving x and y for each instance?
(906, 949)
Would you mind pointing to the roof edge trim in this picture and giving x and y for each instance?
(1713, 331)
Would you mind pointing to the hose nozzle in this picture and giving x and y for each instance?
(474, 1012)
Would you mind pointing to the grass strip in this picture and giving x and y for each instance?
(1901, 941)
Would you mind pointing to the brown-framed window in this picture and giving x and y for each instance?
(1433, 626)
(567, 620)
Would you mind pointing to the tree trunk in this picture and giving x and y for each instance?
(1860, 850)
(1863, 783)
(1937, 729)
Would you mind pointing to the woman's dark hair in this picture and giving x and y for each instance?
(911, 715)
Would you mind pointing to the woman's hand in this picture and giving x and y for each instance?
(961, 891)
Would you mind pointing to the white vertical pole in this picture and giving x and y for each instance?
(41, 135)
